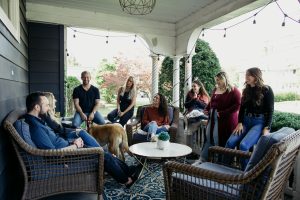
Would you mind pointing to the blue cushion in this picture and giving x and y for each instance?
(23, 129)
(219, 168)
(264, 144)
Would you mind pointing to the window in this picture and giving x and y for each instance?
(9, 15)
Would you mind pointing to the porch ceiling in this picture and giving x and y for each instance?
(170, 21)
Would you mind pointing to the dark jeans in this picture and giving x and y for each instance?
(115, 167)
(113, 116)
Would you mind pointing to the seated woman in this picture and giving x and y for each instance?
(52, 135)
(155, 117)
(255, 115)
(125, 103)
(195, 102)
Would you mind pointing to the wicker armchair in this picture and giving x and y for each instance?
(50, 172)
(265, 180)
(133, 127)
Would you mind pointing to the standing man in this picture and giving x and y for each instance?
(86, 99)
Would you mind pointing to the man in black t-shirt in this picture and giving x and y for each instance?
(86, 99)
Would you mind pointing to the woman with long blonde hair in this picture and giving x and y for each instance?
(126, 99)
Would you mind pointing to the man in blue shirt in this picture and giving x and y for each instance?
(45, 138)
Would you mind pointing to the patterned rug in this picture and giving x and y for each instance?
(149, 186)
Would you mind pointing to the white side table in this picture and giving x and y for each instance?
(148, 150)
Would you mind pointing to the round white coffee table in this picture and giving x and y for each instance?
(149, 150)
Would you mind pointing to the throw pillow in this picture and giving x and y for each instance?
(264, 144)
(23, 129)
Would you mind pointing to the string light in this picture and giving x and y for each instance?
(283, 23)
(202, 30)
(254, 21)
(158, 57)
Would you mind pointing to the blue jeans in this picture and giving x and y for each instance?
(113, 116)
(77, 121)
(152, 128)
(252, 129)
(210, 141)
(115, 167)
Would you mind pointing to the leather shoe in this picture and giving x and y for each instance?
(135, 175)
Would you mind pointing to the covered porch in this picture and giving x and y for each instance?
(33, 50)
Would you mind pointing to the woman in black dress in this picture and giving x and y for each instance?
(125, 103)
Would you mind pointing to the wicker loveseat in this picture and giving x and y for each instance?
(49, 172)
(135, 125)
(265, 176)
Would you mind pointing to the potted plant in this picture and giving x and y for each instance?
(163, 140)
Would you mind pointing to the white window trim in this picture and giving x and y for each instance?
(13, 24)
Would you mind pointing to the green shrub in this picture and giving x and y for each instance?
(284, 119)
(70, 83)
(164, 136)
(289, 96)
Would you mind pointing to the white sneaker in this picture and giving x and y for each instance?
(140, 131)
(154, 138)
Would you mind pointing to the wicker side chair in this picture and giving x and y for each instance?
(265, 180)
(50, 172)
(135, 125)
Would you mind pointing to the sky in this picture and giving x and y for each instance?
(89, 50)
(266, 43)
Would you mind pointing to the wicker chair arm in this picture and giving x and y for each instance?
(212, 151)
(173, 132)
(131, 128)
(65, 152)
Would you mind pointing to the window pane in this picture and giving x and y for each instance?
(4, 4)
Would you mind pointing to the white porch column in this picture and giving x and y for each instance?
(176, 82)
(188, 73)
(155, 68)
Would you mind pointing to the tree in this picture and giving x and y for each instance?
(71, 83)
(205, 66)
(113, 75)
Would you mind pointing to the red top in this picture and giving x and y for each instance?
(227, 105)
(151, 114)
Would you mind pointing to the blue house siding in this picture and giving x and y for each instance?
(46, 60)
(13, 89)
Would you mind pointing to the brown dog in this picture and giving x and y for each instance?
(112, 134)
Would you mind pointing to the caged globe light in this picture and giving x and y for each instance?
(137, 7)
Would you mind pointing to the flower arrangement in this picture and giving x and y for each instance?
(164, 136)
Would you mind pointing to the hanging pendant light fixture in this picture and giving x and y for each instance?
(137, 7)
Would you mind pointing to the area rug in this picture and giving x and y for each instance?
(150, 186)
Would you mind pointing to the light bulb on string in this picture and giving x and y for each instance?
(134, 39)
(106, 40)
(74, 35)
(254, 21)
(203, 32)
(158, 57)
(283, 23)
(224, 33)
